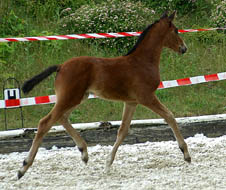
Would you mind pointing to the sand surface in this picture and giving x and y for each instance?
(147, 166)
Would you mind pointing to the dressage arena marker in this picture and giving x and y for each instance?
(92, 35)
(164, 84)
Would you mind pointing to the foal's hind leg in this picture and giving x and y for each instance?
(43, 127)
(128, 111)
(160, 109)
(81, 144)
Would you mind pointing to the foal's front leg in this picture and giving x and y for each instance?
(154, 104)
(128, 111)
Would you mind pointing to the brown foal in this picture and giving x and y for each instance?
(132, 78)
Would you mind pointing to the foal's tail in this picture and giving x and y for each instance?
(31, 83)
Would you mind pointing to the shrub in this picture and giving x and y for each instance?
(108, 16)
(13, 25)
(209, 37)
(42, 9)
(219, 14)
(5, 50)
(182, 7)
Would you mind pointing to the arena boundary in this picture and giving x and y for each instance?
(104, 133)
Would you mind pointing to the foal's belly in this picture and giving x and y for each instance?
(114, 95)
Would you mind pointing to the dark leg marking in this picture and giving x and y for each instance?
(182, 150)
(186, 159)
(25, 163)
(80, 149)
(20, 174)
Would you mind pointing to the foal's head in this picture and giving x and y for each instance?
(172, 39)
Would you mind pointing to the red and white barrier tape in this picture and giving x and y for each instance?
(91, 35)
(164, 84)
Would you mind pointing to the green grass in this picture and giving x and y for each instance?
(202, 99)
(203, 57)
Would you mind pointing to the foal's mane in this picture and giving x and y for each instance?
(140, 39)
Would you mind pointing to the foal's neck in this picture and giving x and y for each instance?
(151, 47)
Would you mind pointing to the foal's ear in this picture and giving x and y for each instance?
(164, 15)
(171, 17)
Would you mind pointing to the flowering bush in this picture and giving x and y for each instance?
(182, 7)
(108, 16)
(219, 14)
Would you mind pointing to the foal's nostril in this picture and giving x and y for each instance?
(183, 49)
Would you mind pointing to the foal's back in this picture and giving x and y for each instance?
(108, 78)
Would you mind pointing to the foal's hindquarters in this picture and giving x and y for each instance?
(66, 102)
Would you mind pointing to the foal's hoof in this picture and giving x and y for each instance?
(85, 156)
(107, 169)
(85, 159)
(188, 159)
(19, 175)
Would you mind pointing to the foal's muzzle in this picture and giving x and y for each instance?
(182, 49)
